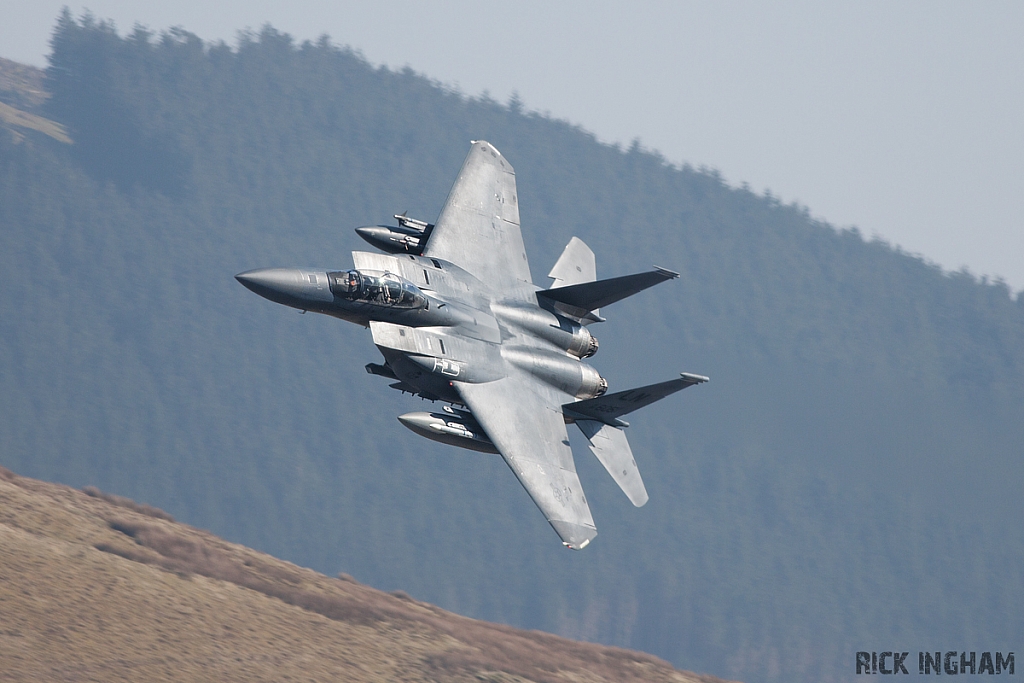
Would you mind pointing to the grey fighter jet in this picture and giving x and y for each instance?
(454, 311)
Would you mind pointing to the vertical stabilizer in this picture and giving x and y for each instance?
(610, 446)
(575, 266)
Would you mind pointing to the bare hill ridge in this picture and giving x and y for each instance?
(22, 92)
(94, 586)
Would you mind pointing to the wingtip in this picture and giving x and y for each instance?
(698, 379)
(574, 536)
(669, 274)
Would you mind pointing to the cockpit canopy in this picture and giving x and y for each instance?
(379, 289)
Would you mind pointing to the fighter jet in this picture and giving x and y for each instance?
(453, 310)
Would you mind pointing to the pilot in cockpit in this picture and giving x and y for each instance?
(384, 290)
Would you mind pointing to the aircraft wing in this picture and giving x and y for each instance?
(478, 227)
(524, 420)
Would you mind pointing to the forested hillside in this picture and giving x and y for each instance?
(848, 480)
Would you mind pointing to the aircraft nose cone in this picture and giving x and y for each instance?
(370, 232)
(266, 281)
(303, 289)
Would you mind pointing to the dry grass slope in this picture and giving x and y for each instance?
(21, 93)
(21, 85)
(99, 587)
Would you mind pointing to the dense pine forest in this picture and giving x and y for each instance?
(848, 480)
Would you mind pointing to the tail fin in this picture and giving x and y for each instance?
(582, 300)
(610, 446)
(575, 266)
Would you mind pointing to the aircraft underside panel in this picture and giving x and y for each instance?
(437, 351)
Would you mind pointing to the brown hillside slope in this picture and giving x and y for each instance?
(97, 587)
(21, 94)
(21, 85)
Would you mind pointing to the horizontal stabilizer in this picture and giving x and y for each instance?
(610, 446)
(590, 296)
(610, 407)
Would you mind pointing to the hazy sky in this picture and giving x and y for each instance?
(905, 119)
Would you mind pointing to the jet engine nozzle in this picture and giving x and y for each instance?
(558, 370)
(593, 384)
(573, 338)
(584, 344)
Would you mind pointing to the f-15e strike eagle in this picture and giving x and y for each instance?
(453, 309)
